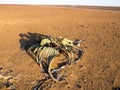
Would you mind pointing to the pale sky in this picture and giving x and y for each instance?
(64, 2)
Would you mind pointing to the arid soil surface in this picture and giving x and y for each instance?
(98, 69)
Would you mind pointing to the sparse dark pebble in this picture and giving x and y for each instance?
(8, 84)
(81, 66)
(1, 68)
(68, 87)
(78, 85)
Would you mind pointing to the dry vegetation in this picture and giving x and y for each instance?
(99, 68)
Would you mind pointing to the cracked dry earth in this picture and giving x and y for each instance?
(99, 68)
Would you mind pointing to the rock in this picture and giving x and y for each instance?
(78, 85)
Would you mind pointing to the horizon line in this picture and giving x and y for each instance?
(57, 5)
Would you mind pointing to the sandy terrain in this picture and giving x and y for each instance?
(99, 68)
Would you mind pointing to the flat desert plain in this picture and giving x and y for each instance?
(99, 67)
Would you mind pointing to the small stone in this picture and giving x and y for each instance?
(78, 85)
(81, 25)
(1, 68)
(81, 66)
(12, 87)
(68, 86)
(33, 82)
(8, 84)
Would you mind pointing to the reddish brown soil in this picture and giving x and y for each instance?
(99, 68)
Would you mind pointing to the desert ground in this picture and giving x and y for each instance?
(99, 67)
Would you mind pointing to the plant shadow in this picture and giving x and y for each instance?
(29, 39)
(115, 88)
